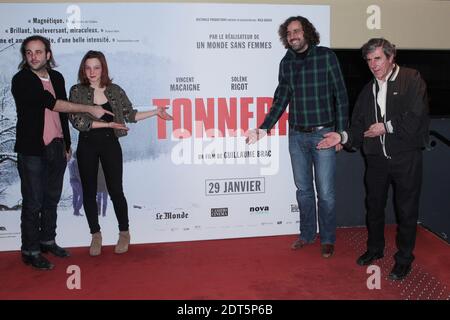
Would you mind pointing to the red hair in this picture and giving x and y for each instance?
(105, 80)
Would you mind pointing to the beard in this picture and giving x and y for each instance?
(299, 45)
(38, 67)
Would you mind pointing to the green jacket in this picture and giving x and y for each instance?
(117, 98)
(314, 89)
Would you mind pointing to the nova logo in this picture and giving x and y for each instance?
(260, 209)
(219, 212)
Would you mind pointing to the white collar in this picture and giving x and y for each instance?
(391, 76)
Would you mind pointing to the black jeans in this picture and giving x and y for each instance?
(404, 171)
(94, 146)
(41, 181)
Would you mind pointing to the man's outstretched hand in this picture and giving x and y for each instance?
(329, 140)
(254, 135)
(98, 111)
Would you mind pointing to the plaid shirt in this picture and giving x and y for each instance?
(313, 87)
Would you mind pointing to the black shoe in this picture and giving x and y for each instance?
(368, 257)
(400, 271)
(55, 250)
(37, 261)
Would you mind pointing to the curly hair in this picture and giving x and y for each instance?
(312, 37)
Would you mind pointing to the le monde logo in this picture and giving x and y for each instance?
(171, 215)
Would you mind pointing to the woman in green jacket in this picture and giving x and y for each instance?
(98, 141)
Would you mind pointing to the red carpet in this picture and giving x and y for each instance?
(252, 268)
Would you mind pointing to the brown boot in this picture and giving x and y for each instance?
(123, 242)
(96, 244)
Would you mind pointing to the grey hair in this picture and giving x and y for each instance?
(374, 43)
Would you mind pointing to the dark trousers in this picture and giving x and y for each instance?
(94, 146)
(404, 172)
(41, 181)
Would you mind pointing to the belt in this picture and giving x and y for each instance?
(310, 129)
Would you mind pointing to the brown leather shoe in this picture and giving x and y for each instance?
(327, 250)
(299, 243)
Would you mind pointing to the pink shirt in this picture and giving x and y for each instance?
(52, 123)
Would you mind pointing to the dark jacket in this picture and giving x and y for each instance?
(406, 108)
(117, 98)
(31, 100)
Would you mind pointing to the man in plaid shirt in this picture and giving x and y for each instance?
(311, 83)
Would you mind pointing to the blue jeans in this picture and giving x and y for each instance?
(41, 181)
(305, 157)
